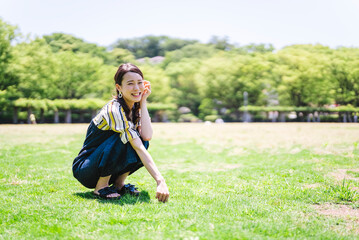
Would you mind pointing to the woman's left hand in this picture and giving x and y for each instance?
(147, 90)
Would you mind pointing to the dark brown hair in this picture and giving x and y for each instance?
(121, 71)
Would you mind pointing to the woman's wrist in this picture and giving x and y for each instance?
(143, 103)
(160, 180)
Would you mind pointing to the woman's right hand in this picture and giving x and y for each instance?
(162, 193)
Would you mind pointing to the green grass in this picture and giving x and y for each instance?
(216, 191)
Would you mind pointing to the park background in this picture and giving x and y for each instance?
(294, 60)
(62, 77)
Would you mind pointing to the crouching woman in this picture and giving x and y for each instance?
(117, 138)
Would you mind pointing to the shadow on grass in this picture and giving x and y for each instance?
(126, 199)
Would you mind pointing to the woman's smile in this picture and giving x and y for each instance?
(131, 88)
(136, 94)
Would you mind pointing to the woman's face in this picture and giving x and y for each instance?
(132, 87)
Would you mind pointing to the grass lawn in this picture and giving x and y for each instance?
(229, 181)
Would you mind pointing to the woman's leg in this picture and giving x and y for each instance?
(102, 183)
(119, 184)
(120, 181)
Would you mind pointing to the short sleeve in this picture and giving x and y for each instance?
(114, 118)
(130, 131)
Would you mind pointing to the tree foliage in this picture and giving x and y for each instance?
(301, 69)
(7, 34)
(151, 46)
(61, 71)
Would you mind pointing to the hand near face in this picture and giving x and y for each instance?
(147, 90)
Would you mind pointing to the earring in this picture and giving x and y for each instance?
(119, 94)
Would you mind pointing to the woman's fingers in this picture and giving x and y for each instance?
(162, 197)
(162, 193)
(167, 195)
(147, 84)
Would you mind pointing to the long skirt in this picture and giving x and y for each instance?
(104, 154)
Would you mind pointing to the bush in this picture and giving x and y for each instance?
(211, 118)
(188, 117)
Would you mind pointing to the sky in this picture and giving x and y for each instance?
(331, 23)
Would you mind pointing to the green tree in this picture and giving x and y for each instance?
(105, 83)
(147, 46)
(65, 42)
(160, 84)
(171, 44)
(36, 69)
(255, 48)
(7, 34)
(184, 83)
(120, 56)
(225, 77)
(344, 66)
(303, 77)
(78, 76)
(195, 51)
(65, 74)
(220, 43)
(151, 46)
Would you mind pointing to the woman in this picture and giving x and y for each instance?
(117, 140)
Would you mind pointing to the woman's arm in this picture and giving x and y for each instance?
(162, 193)
(146, 126)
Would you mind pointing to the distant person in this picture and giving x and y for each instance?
(32, 118)
(117, 140)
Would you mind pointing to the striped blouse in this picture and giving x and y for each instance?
(113, 117)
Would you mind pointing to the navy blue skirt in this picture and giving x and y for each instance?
(104, 154)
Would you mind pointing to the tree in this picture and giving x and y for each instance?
(60, 42)
(160, 84)
(7, 34)
(195, 51)
(302, 76)
(78, 76)
(120, 56)
(184, 83)
(225, 77)
(36, 69)
(344, 66)
(171, 44)
(255, 48)
(44, 74)
(151, 46)
(220, 43)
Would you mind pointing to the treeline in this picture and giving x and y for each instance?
(204, 80)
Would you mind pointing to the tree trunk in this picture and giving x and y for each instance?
(282, 116)
(68, 116)
(29, 112)
(94, 113)
(56, 117)
(42, 116)
(350, 117)
(237, 113)
(15, 116)
(82, 117)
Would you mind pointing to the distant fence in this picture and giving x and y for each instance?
(68, 107)
(84, 109)
(299, 114)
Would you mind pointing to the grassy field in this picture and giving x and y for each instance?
(229, 181)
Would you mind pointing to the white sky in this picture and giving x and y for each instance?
(280, 22)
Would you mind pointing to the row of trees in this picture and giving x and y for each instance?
(208, 79)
